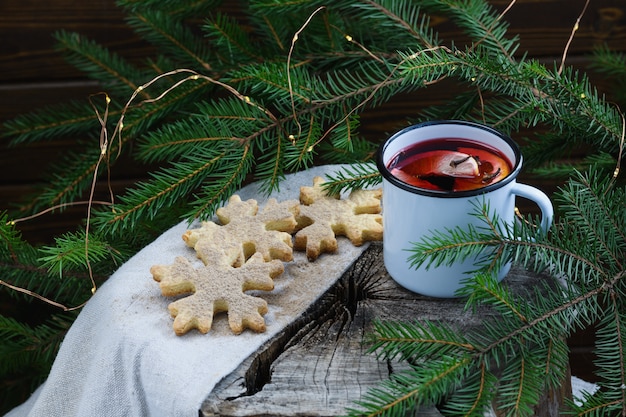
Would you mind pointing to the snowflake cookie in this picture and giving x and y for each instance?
(245, 232)
(217, 287)
(246, 251)
(323, 217)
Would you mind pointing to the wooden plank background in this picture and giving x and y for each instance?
(34, 74)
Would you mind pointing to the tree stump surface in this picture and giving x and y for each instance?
(319, 365)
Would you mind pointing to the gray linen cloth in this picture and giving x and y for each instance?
(121, 356)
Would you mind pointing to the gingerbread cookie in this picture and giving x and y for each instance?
(323, 217)
(217, 287)
(242, 229)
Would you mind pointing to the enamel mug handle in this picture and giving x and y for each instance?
(542, 200)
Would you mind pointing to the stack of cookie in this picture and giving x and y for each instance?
(246, 251)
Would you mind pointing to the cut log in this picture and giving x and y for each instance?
(319, 366)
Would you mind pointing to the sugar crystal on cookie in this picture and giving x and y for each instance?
(217, 287)
(323, 217)
(267, 232)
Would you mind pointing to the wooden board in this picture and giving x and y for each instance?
(319, 365)
(27, 50)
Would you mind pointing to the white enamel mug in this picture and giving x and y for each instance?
(411, 213)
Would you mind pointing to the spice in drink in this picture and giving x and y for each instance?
(450, 164)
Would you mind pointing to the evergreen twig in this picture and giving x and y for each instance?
(228, 101)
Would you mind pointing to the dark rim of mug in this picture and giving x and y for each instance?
(450, 194)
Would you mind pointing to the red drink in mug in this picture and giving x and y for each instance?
(434, 175)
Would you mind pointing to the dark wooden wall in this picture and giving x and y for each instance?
(33, 74)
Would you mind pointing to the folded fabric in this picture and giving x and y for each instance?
(121, 356)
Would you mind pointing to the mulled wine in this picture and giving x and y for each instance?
(449, 164)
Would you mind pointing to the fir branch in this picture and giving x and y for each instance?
(97, 62)
(482, 289)
(602, 162)
(593, 279)
(292, 7)
(300, 155)
(474, 395)
(337, 151)
(20, 269)
(28, 348)
(610, 348)
(72, 177)
(213, 122)
(410, 389)
(227, 179)
(460, 107)
(398, 22)
(270, 161)
(72, 250)
(480, 21)
(169, 34)
(355, 176)
(177, 97)
(414, 341)
(596, 405)
(74, 174)
(166, 186)
(485, 241)
(270, 80)
(494, 245)
(609, 62)
(231, 42)
(12, 247)
(39, 343)
(593, 204)
(520, 385)
(530, 358)
(64, 119)
(560, 96)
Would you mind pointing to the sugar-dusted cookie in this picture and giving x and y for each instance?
(217, 287)
(249, 232)
(323, 217)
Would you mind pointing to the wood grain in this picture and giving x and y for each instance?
(28, 49)
(27, 52)
(319, 365)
